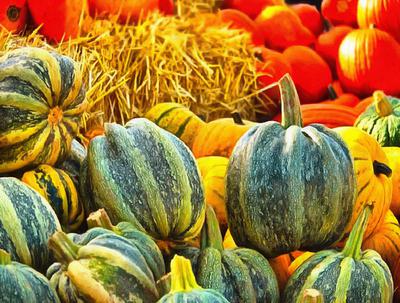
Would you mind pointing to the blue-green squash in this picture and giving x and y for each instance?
(42, 100)
(289, 188)
(26, 223)
(20, 283)
(350, 275)
(184, 287)
(144, 175)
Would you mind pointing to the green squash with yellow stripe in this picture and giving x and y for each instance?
(41, 103)
(144, 175)
(59, 190)
(26, 223)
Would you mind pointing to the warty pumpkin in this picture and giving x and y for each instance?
(41, 102)
(393, 155)
(13, 14)
(314, 187)
(340, 12)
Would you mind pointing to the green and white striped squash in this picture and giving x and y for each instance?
(289, 188)
(240, 274)
(20, 283)
(350, 275)
(26, 223)
(144, 175)
(41, 103)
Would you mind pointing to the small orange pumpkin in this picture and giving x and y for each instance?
(13, 14)
(340, 99)
(340, 12)
(310, 17)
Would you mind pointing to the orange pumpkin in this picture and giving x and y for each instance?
(393, 154)
(166, 6)
(252, 8)
(280, 266)
(369, 60)
(310, 17)
(340, 12)
(310, 73)
(13, 14)
(362, 105)
(342, 99)
(298, 261)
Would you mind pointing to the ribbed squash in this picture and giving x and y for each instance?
(372, 174)
(59, 190)
(213, 171)
(382, 119)
(73, 163)
(350, 275)
(393, 155)
(20, 283)
(240, 274)
(107, 269)
(184, 287)
(26, 223)
(41, 103)
(285, 173)
(144, 175)
(176, 119)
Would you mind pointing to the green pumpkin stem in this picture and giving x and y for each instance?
(353, 245)
(237, 118)
(312, 296)
(291, 112)
(5, 258)
(382, 104)
(210, 233)
(100, 218)
(182, 277)
(381, 168)
(332, 93)
(64, 250)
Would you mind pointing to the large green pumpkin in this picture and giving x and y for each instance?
(144, 175)
(382, 119)
(26, 223)
(20, 283)
(347, 276)
(240, 274)
(41, 103)
(289, 188)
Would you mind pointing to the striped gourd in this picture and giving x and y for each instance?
(20, 283)
(73, 162)
(184, 287)
(350, 275)
(144, 175)
(26, 223)
(59, 190)
(41, 103)
(176, 119)
(107, 269)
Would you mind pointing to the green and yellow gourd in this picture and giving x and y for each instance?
(20, 283)
(350, 275)
(382, 119)
(73, 163)
(26, 223)
(286, 173)
(41, 103)
(144, 175)
(184, 287)
(240, 274)
(59, 190)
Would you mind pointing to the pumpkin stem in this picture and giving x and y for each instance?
(5, 258)
(64, 250)
(237, 118)
(312, 296)
(331, 92)
(182, 277)
(100, 218)
(291, 113)
(210, 233)
(382, 104)
(381, 168)
(353, 245)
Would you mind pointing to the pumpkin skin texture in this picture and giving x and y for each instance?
(162, 192)
(20, 283)
(13, 14)
(240, 274)
(59, 190)
(261, 193)
(350, 275)
(393, 155)
(26, 223)
(38, 125)
(369, 60)
(382, 119)
(340, 12)
(372, 174)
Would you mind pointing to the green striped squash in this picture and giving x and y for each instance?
(289, 188)
(73, 163)
(26, 223)
(184, 287)
(240, 274)
(20, 283)
(350, 275)
(59, 190)
(146, 176)
(107, 269)
(41, 103)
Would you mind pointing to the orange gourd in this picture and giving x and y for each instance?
(298, 261)
(13, 14)
(310, 17)
(340, 99)
(393, 154)
(280, 265)
(252, 8)
(362, 105)
(340, 12)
